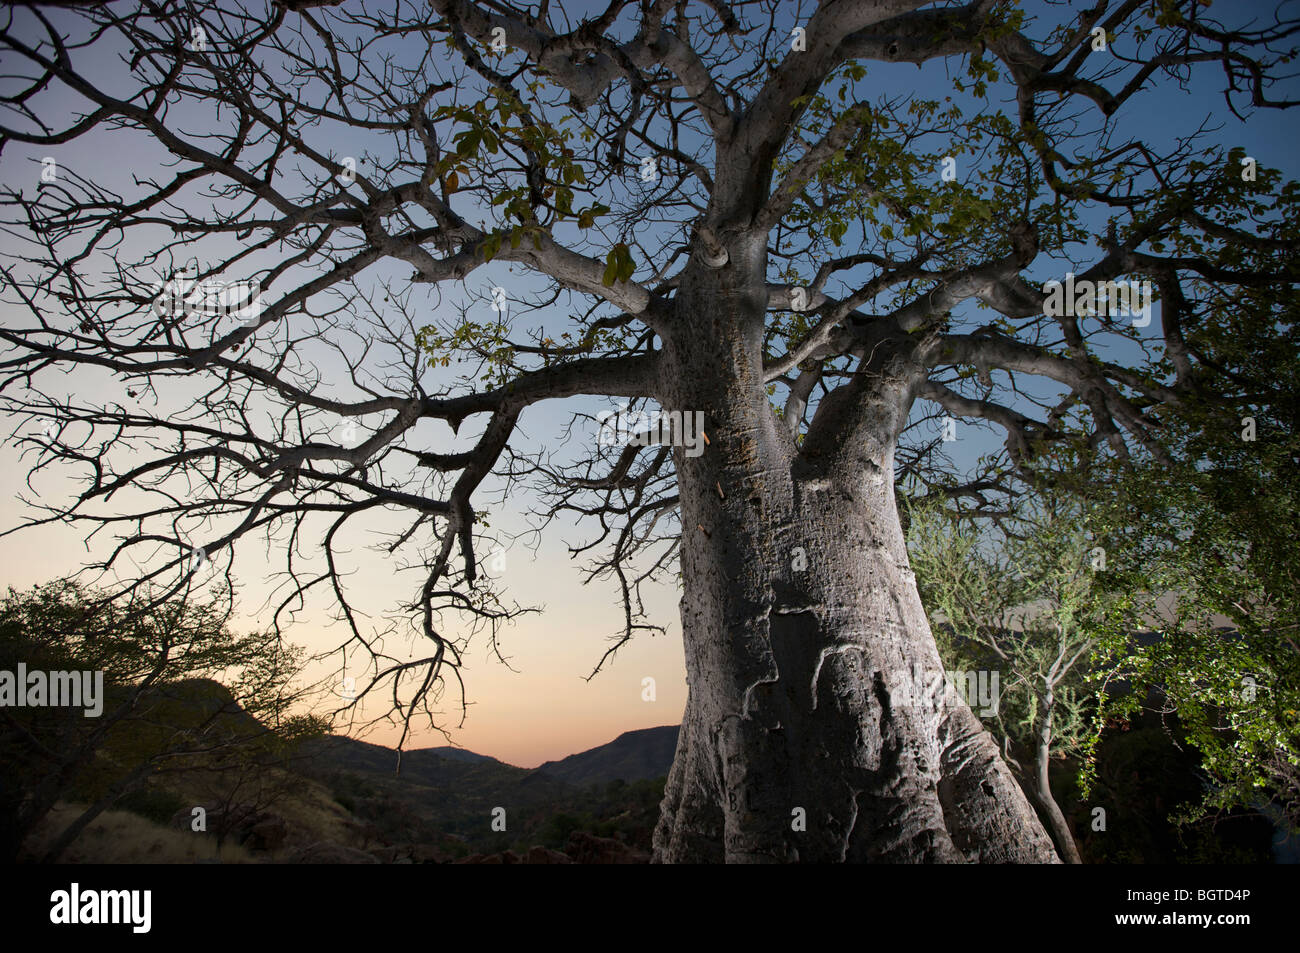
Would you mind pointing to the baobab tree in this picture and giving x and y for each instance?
(745, 211)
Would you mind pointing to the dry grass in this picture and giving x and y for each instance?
(119, 837)
(305, 804)
(313, 807)
(123, 837)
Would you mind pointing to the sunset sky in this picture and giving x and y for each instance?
(542, 710)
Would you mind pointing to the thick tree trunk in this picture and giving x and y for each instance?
(813, 730)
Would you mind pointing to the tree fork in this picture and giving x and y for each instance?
(812, 731)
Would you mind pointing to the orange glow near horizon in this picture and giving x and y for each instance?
(543, 710)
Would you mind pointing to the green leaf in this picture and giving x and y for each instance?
(619, 265)
(467, 142)
(491, 245)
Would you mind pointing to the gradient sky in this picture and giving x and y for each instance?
(540, 707)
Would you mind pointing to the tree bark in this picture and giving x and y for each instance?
(816, 698)
(1056, 822)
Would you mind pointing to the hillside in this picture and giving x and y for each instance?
(459, 754)
(612, 790)
(632, 756)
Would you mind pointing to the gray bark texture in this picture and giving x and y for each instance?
(811, 701)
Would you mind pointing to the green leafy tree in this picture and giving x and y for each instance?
(1203, 539)
(1021, 597)
(1208, 552)
(161, 713)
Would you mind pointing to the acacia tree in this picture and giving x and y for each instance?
(1220, 534)
(744, 210)
(158, 715)
(1024, 598)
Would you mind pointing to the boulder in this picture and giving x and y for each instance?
(586, 848)
(544, 855)
(266, 832)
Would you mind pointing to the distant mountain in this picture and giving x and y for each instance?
(459, 754)
(632, 756)
(644, 754)
(427, 767)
